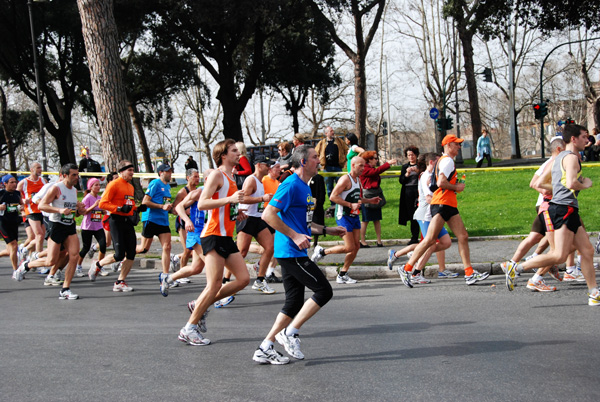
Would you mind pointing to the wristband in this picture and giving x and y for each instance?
(324, 230)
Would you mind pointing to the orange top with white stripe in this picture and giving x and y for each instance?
(444, 196)
(221, 221)
(30, 188)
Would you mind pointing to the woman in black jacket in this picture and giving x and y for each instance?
(409, 178)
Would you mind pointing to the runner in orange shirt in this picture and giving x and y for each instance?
(28, 187)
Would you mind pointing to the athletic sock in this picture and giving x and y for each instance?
(468, 271)
(26, 266)
(169, 279)
(416, 272)
(189, 326)
(408, 268)
(98, 266)
(342, 273)
(270, 271)
(534, 254)
(290, 331)
(266, 344)
(225, 280)
(536, 278)
(260, 278)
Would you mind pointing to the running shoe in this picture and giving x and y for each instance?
(93, 271)
(184, 280)
(14, 275)
(175, 262)
(92, 250)
(554, 273)
(409, 254)
(420, 279)
(447, 274)
(79, 271)
(345, 279)
(318, 254)
(51, 281)
(476, 277)
(122, 287)
(578, 263)
(273, 278)
(540, 286)
(405, 276)
(20, 272)
(256, 267)
(67, 295)
(290, 343)
(575, 276)
(22, 253)
(103, 272)
(594, 300)
(269, 356)
(224, 301)
(59, 275)
(191, 306)
(510, 271)
(164, 284)
(262, 286)
(391, 259)
(202, 323)
(193, 337)
(44, 271)
(116, 266)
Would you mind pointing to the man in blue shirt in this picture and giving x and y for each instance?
(156, 217)
(290, 213)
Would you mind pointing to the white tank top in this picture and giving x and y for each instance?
(255, 210)
(67, 198)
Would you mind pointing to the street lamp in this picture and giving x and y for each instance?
(37, 85)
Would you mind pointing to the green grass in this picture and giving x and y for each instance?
(493, 203)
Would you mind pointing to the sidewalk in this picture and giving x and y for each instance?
(487, 253)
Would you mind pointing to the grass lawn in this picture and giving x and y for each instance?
(493, 203)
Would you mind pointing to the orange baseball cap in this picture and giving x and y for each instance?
(451, 138)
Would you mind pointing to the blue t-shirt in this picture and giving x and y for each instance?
(159, 193)
(294, 199)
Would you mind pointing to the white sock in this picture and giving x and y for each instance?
(289, 331)
(190, 327)
(534, 254)
(169, 279)
(266, 344)
(536, 278)
(270, 271)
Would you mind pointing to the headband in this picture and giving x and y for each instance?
(125, 168)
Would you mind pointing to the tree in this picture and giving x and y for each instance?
(300, 58)
(358, 10)
(101, 44)
(16, 127)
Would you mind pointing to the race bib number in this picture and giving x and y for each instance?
(233, 211)
(96, 216)
(11, 208)
(68, 219)
(166, 200)
(129, 200)
(260, 207)
(310, 210)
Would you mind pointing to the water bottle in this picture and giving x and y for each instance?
(462, 179)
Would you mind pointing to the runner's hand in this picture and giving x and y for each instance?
(237, 198)
(337, 230)
(301, 240)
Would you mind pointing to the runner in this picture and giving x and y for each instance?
(564, 214)
(347, 195)
(61, 203)
(425, 165)
(254, 202)
(193, 179)
(444, 209)
(28, 187)
(118, 199)
(220, 198)
(271, 183)
(290, 214)
(91, 226)
(11, 205)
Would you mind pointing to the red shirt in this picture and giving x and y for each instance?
(370, 176)
(244, 168)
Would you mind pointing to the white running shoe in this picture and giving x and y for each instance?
(103, 272)
(175, 263)
(79, 271)
(202, 323)
(262, 286)
(318, 254)
(479, 276)
(67, 295)
(345, 279)
(93, 271)
(92, 250)
(164, 284)
(51, 281)
(405, 276)
(184, 280)
(59, 275)
(269, 356)
(116, 266)
(223, 302)
(122, 287)
(290, 343)
(19, 274)
(193, 337)
(420, 279)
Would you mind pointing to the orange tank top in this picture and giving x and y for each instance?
(221, 221)
(444, 196)
(30, 188)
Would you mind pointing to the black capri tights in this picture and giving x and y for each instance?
(86, 240)
(297, 274)
(123, 236)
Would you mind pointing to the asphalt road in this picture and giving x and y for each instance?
(375, 341)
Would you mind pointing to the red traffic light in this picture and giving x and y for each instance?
(536, 106)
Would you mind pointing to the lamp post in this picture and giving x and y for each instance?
(37, 88)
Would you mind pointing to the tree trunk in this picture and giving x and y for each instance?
(466, 39)
(232, 125)
(6, 131)
(139, 129)
(360, 99)
(101, 44)
(596, 112)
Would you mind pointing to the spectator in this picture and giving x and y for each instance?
(353, 149)
(409, 178)
(87, 164)
(285, 155)
(332, 156)
(371, 184)
(243, 168)
(190, 163)
(484, 150)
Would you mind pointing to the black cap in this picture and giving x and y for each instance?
(260, 158)
(163, 167)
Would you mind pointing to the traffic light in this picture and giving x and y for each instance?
(441, 124)
(449, 123)
(540, 110)
(487, 74)
(536, 111)
(543, 109)
(569, 121)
